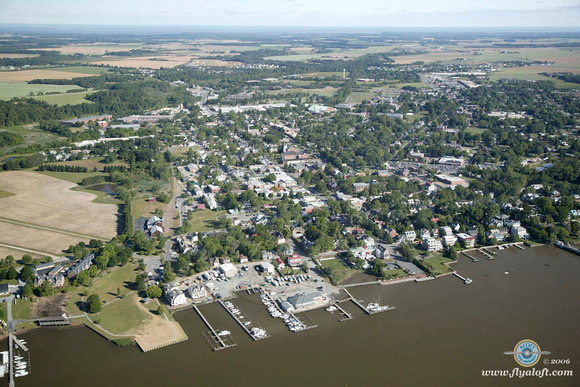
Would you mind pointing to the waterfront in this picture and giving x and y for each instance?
(443, 332)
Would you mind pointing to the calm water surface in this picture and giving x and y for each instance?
(442, 333)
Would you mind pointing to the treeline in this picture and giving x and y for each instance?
(96, 82)
(114, 168)
(567, 77)
(92, 180)
(127, 218)
(23, 162)
(62, 168)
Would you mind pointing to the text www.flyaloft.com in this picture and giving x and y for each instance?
(520, 373)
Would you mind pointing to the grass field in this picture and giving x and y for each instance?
(65, 99)
(359, 96)
(122, 316)
(532, 73)
(91, 163)
(202, 220)
(22, 310)
(89, 70)
(475, 130)
(153, 62)
(119, 277)
(30, 135)
(140, 207)
(395, 273)
(438, 263)
(326, 92)
(340, 272)
(95, 49)
(50, 202)
(9, 90)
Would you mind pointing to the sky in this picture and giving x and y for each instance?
(311, 13)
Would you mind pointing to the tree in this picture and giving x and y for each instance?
(46, 289)
(140, 282)
(26, 274)
(407, 252)
(94, 303)
(160, 310)
(27, 290)
(168, 275)
(154, 291)
(83, 278)
(12, 273)
(26, 260)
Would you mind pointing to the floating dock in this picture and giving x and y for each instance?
(217, 339)
(465, 280)
(344, 315)
(483, 252)
(240, 323)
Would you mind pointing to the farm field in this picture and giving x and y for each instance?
(50, 202)
(50, 73)
(65, 99)
(12, 56)
(72, 177)
(9, 90)
(533, 73)
(153, 62)
(90, 163)
(95, 49)
(36, 239)
(17, 254)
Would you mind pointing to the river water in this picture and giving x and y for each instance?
(443, 332)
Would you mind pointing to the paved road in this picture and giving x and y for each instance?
(169, 210)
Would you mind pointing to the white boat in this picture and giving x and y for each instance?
(224, 333)
(468, 281)
(22, 373)
(331, 308)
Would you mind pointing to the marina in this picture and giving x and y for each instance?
(256, 333)
(293, 323)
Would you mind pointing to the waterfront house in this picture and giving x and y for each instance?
(467, 239)
(294, 260)
(432, 244)
(197, 293)
(174, 295)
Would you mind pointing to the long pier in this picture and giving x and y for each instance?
(470, 257)
(218, 338)
(240, 323)
(484, 252)
(344, 315)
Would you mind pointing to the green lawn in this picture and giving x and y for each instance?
(119, 277)
(66, 98)
(73, 306)
(22, 310)
(9, 90)
(4, 308)
(5, 194)
(395, 273)
(141, 207)
(202, 220)
(475, 130)
(437, 264)
(122, 315)
(341, 272)
(359, 96)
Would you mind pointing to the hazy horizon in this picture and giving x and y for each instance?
(296, 13)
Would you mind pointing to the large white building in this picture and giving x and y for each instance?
(432, 244)
(174, 295)
(449, 240)
(229, 270)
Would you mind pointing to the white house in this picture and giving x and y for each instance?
(410, 236)
(449, 240)
(173, 295)
(432, 244)
(520, 231)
